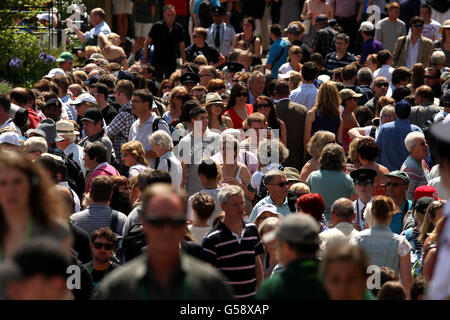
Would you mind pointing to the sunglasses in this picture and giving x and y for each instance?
(99, 245)
(382, 84)
(220, 87)
(429, 77)
(179, 97)
(263, 105)
(160, 222)
(166, 87)
(418, 25)
(297, 52)
(205, 74)
(242, 94)
(281, 184)
(395, 184)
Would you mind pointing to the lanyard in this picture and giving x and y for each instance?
(362, 225)
(143, 291)
(27, 235)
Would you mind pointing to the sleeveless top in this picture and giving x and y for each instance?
(237, 121)
(327, 124)
(250, 43)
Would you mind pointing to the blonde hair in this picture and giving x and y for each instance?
(328, 100)
(318, 141)
(300, 188)
(173, 94)
(136, 149)
(291, 50)
(201, 59)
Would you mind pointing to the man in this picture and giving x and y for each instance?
(52, 109)
(82, 103)
(100, 92)
(97, 19)
(148, 72)
(364, 81)
(415, 165)
(182, 17)
(380, 88)
(220, 34)
(389, 29)
(66, 130)
(239, 263)
(167, 38)
(10, 141)
(189, 80)
(298, 238)
(446, 104)
(146, 124)
(432, 79)
(95, 161)
(425, 109)
(341, 57)
(62, 83)
(197, 145)
(324, 36)
(278, 51)
(401, 77)
(119, 129)
(5, 117)
(293, 115)
(256, 85)
(93, 126)
(103, 243)
(348, 15)
(164, 272)
(370, 45)
(277, 186)
(391, 137)
(431, 27)
(25, 98)
(201, 47)
(441, 276)
(342, 217)
(306, 93)
(413, 48)
(363, 180)
(396, 189)
(349, 74)
(65, 61)
(294, 33)
(384, 58)
(34, 146)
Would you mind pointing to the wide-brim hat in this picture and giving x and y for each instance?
(65, 127)
(213, 98)
(446, 25)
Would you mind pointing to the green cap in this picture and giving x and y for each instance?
(398, 174)
(65, 56)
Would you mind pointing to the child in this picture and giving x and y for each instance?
(203, 206)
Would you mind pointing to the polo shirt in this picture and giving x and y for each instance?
(283, 209)
(94, 32)
(166, 43)
(211, 54)
(234, 257)
(332, 62)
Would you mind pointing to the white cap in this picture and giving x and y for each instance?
(10, 138)
(55, 72)
(268, 208)
(366, 26)
(324, 78)
(46, 16)
(84, 97)
(286, 75)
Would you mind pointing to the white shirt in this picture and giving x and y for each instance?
(341, 232)
(226, 35)
(305, 95)
(385, 71)
(413, 52)
(214, 193)
(359, 206)
(285, 68)
(176, 171)
(77, 152)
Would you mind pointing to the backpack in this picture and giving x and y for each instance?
(430, 139)
(204, 14)
(75, 177)
(132, 243)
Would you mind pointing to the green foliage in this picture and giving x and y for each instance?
(5, 87)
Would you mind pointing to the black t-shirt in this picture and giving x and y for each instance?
(166, 43)
(97, 276)
(211, 54)
(109, 113)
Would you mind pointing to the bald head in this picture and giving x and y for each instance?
(342, 210)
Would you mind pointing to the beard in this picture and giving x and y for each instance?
(101, 258)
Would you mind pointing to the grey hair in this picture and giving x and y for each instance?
(387, 108)
(343, 208)
(437, 58)
(364, 75)
(254, 75)
(228, 191)
(410, 140)
(37, 144)
(162, 139)
(269, 176)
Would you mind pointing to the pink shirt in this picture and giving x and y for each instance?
(103, 169)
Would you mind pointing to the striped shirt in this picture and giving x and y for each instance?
(419, 175)
(119, 129)
(332, 62)
(97, 216)
(235, 257)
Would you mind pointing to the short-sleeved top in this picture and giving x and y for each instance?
(332, 62)
(166, 43)
(370, 46)
(237, 121)
(94, 32)
(234, 256)
(278, 54)
(211, 54)
(142, 10)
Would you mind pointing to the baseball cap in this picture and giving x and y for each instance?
(363, 175)
(218, 10)
(398, 174)
(294, 29)
(125, 75)
(234, 66)
(425, 191)
(402, 106)
(348, 93)
(92, 80)
(296, 228)
(82, 98)
(268, 208)
(189, 77)
(11, 138)
(65, 56)
(366, 26)
(423, 203)
(92, 115)
(291, 174)
(54, 72)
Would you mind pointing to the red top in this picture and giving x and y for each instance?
(33, 118)
(237, 121)
(181, 6)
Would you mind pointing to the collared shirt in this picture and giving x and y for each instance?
(391, 141)
(103, 169)
(101, 27)
(305, 95)
(418, 173)
(119, 129)
(166, 43)
(211, 54)
(226, 35)
(343, 231)
(422, 113)
(385, 71)
(359, 209)
(283, 209)
(413, 52)
(323, 40)
(77, 155)
(332, 62)
(175, 171)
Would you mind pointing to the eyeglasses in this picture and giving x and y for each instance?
(242, 94)
(382, 84)
(171, 221)
(395, 184)
(418, 25)
(99, 245)
(281, 184)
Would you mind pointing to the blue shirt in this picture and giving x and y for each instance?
(391, 141)
(283, 209)
(101, 27)
(274, 52)
(370, 46)
(397, 223)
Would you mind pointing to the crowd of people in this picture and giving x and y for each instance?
(279, 161)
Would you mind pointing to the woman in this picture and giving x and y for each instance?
(372, 62)
(313, 204)
(217, 85)
(311, 9)
(330, 181)
(430, 251)
(368, 150)
(444, 42)
(325, 115)
(215, 107)
(184, 121)
(133, 156)
(344, 270)
(176, 99)
(238, 109)
(111, 50)
(433, 213)
(383, 247)
(417, 77)
(269, 258)
(315, 146)
(121, 198)
(28, 206)
(164, 87)
(386, 114)
(295, 55)
(253, 42)
(265, 105)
